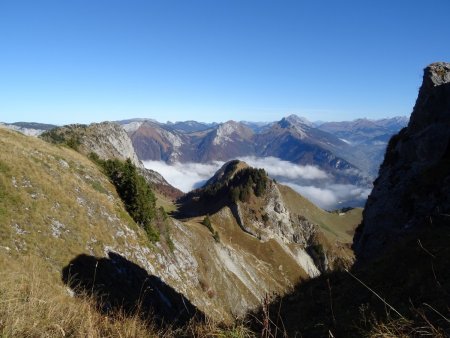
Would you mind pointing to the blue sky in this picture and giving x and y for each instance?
(94, 60)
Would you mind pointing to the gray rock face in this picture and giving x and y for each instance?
(111, 141)
(413, 187)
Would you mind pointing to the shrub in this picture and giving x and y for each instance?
(69, 136)
(137, 196)
(207, 223)
(216, 236)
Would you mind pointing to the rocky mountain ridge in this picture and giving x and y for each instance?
(267, 211)
(367, 139)
(287, 140)
(413, 186)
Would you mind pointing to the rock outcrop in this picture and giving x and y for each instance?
(273, 213)
(412, 191)
(108, 140)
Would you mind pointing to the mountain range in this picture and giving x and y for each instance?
(351, 151)
(348, 155)
(333, 146)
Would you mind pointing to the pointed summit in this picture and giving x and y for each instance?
(297, 120)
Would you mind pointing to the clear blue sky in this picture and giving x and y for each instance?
(92, 60)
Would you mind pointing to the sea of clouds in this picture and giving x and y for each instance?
(310, 181)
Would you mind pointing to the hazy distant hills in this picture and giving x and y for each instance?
(190, 126)
(29, 128)
(367, 139)
(364, 130)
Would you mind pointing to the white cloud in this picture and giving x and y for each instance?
(332, 196)
(276, 167)
(184, 176)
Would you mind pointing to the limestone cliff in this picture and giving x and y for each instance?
(413, 188)
(106, 139)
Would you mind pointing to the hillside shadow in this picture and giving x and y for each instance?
(120, 285)
(196, 203)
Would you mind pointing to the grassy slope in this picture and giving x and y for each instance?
(335, 226)
(165, 202)
(252, 269)
(54, 205)
(47, 190)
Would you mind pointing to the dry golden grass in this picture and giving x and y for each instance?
(211, 329)
(35, 304)
(163, 201)
(404, 328)
(46, 187)
(334, 226)
(54, 205)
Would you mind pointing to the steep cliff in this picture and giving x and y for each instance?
(106, 139)
(412, 191)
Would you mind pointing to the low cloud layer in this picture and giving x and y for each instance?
(279, 168)
(184, 176)
(310, 181)
(332, 196)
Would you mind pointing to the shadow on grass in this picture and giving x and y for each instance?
(120, 285)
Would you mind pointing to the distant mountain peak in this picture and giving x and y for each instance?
(295, 119)
(295, 124)
(227, 130)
